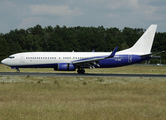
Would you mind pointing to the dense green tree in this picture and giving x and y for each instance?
(4, 48)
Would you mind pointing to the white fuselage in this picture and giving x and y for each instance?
(33, 58)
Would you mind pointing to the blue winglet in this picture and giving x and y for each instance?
(113, 53)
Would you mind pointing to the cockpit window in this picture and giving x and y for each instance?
(11, 57)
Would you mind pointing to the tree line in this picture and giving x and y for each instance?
(78, 38)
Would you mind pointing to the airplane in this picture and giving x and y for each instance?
(70, 61)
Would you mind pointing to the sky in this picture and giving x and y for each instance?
(23, 14)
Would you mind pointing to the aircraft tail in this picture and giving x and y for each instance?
(144, 44)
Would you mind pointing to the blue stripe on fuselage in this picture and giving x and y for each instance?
(116, 61)
(121, 60)
(53, 65)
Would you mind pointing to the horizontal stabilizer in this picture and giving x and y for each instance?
(150, 55)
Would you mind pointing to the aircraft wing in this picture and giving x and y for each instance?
(89, 62)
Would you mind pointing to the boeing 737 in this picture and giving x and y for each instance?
(70, 61)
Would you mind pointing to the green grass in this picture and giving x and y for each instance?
(91, 98)
(76, 98)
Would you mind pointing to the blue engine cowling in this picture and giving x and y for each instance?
(65, 67)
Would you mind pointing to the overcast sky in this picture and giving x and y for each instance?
(22, 14)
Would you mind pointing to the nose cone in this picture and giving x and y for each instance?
(4, 61)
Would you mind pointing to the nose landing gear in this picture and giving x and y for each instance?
(16, 69)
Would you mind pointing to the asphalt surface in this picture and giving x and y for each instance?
(79, 75)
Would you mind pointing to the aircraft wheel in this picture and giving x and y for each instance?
(78, 71)
(82, 71)
(18, 70)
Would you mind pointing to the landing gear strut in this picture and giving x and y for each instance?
(80, 71)
(18, 70)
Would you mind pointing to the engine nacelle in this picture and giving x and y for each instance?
(65, 67)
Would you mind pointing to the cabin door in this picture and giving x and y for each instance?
(22, 58)
(129, 58)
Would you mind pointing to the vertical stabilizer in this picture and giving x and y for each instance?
(144, 44)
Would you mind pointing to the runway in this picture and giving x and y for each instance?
(79, 75)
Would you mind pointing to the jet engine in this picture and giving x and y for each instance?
(65, 67)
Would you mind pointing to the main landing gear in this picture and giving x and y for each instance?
(80, 71)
